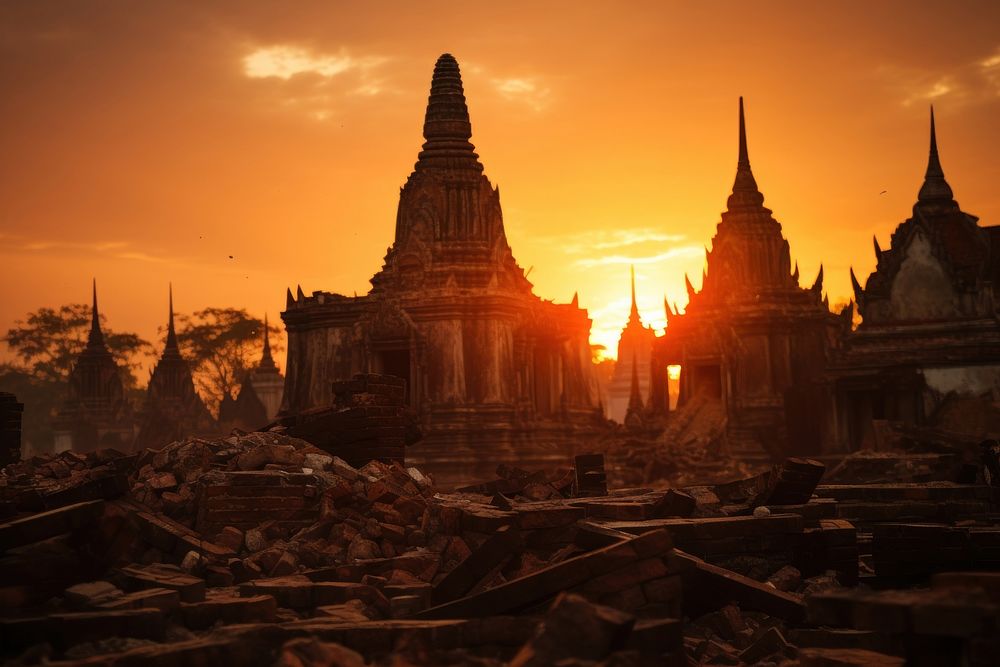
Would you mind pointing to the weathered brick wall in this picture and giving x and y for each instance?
(10, 428)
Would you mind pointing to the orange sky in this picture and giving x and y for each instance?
(147, 142)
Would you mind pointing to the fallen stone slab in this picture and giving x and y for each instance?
(228, 610)
(708, 586)
(163, 599)
(497, 548)
(540, 585)
(44, 525)
(847, 657)
(66, 629)
(189, 587)
(575, 629)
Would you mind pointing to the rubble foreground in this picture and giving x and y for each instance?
(261, 549)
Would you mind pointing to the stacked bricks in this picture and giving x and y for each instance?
(916, 550)
(247, 499)
(366, 422)
(10, 428)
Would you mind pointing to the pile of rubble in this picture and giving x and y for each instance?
(262, 548)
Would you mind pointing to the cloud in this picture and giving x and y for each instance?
(284, 62)
(972, 82)
(617, 238)
(527, 90)
(673, 253)
(311, 83)
(110, 249)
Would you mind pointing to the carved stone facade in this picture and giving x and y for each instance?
(450, 311)
(752, 344)
(95, 413)
(634, 349)
(930, 335)
(173, 409)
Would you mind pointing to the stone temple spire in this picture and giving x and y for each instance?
(633, 316)
(95, 339)
(171, 346)
(745, 192)
(934, 188)
(447, 128)
(266, 360)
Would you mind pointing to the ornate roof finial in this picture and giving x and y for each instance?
(633, 315)
(934, 188)
(171, 345)
(745, 192)
(265, 358)
(95, 339)
(447, 128)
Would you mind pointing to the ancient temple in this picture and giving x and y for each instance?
(752, 344)
(259, 398)
(451, 312)
(929, 337)
(95, 413)
(173, 409)
(635, 347)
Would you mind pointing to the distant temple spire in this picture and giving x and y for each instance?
(447, 128)
(745, 192)
(934, 188)
(171, 332)
(95, 339)
(633, 316)
(266, 360)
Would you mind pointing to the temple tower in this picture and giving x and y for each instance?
(173, 409)
(752, 344)
(635, 346)
(928, 344)
(95, 413)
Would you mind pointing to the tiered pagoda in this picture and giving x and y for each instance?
(451, 312)
(634, 350)
(173, 409)
(752, 344)
(929, 337)
(95, 413)
(259, 398)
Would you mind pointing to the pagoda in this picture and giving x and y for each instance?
(173, 409)
(751, 343)
(929, 337)
(635, 346)
(486, 362)
(95, 413)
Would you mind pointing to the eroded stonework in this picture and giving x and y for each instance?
(451, 312)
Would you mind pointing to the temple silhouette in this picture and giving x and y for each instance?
(450, 312)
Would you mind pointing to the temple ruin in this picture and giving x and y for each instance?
(484, 359)
(96, 412)
(751, 343)
(929, 339)
(634, 348)
(172, 407)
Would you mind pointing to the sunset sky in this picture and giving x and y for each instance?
(147, 142)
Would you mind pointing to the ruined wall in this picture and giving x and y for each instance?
(922, 289)
(316, 357)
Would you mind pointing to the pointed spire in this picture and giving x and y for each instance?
(934, 188)
(795, 273)
(818, 285)
(266, 355)
(688, 286)
(633, 315)
(745, 192)
(95, 339)
(856, 286)
(878, 248)
(171, 332)
(576, 300)
(447, 128)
